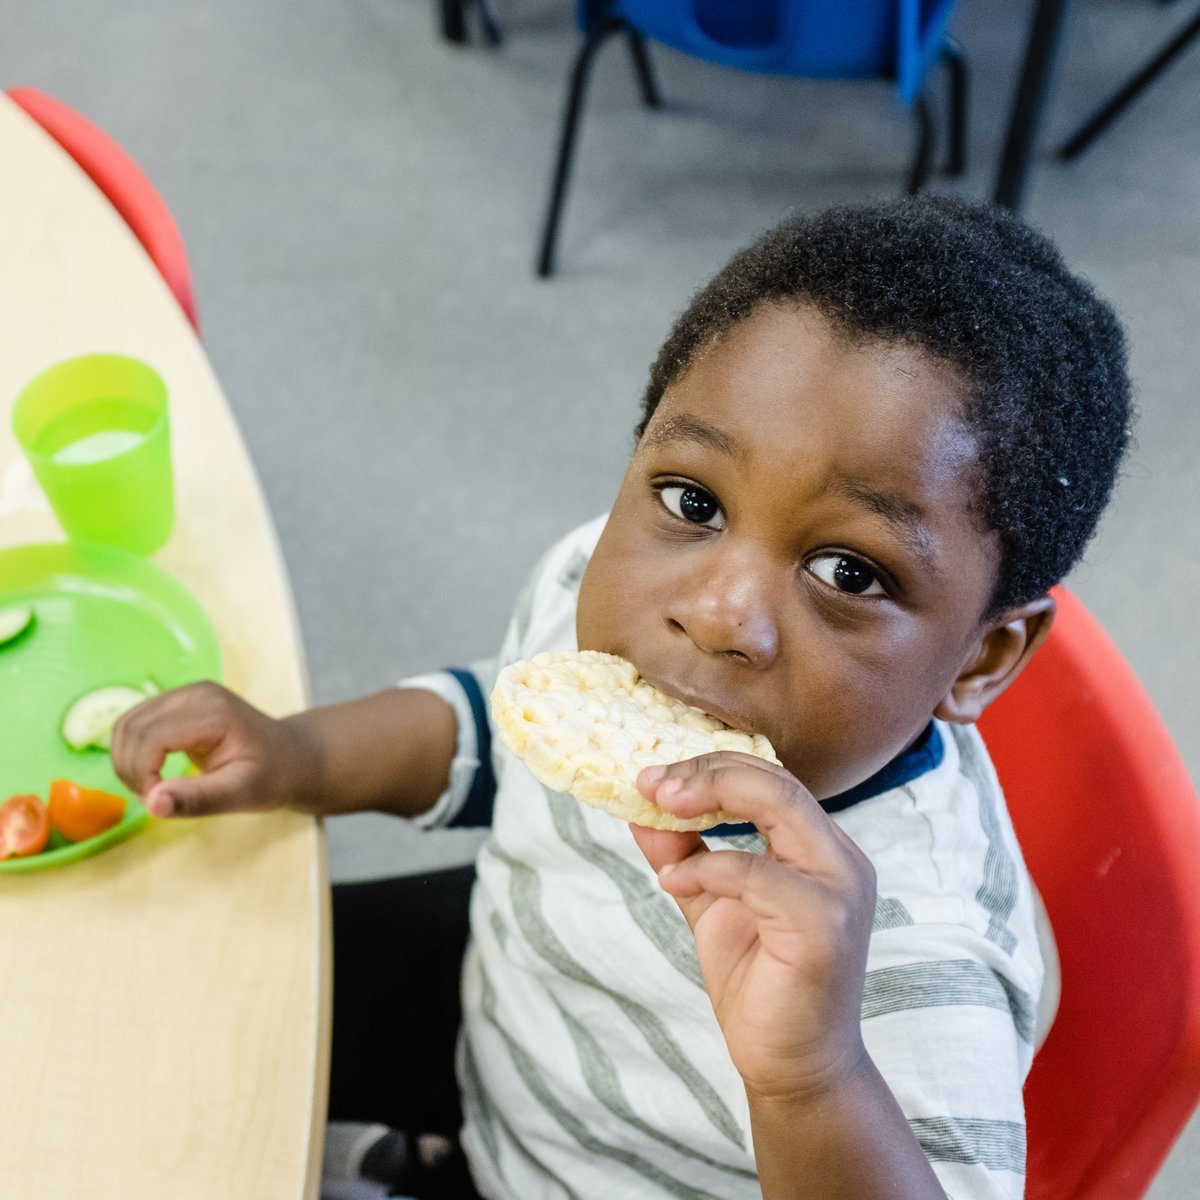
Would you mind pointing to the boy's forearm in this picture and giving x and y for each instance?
(849, 1140)
(388, 752)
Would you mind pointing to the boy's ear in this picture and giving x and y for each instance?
(1003, 649)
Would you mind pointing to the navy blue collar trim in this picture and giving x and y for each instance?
(923, 755)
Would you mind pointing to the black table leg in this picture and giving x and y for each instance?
(1029, 101)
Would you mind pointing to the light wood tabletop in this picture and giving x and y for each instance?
(165, 1003)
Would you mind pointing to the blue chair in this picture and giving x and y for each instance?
(835, 39)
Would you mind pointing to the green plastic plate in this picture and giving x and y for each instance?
(101, 617)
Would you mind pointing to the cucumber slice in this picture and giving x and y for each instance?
(90, 719)
(13, 622)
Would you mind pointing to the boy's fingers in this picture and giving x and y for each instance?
(664, 847)
(136, 760)
(761, 884)
(650, 777)
(221, 791)
(139, 777)
(145, 735)
(798, 829)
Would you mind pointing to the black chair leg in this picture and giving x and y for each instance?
(651, 96)
(492, 33)
(454, 23)
(958, 109)
(922, 163)
(566, 147)
(1095, 125)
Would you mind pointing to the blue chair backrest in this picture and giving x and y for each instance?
(815, 39)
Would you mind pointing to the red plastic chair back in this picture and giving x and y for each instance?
(1110, 827)
(124, 184)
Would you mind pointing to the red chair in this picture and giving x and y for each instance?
(124, 184)
(1110, 827)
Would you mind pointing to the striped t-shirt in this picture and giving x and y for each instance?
(591, 1064)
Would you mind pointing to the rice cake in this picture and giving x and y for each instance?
(586, 723)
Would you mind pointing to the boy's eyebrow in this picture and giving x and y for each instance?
(684, 427)
(904, 516)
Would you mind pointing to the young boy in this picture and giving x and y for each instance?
(869, 448)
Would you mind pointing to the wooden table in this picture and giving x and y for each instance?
(165, 1004)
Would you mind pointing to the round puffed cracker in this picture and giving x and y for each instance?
(586, 723)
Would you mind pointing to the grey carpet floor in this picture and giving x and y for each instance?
(361, 201)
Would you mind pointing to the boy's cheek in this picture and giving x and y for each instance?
(588, 620)
(611, 605)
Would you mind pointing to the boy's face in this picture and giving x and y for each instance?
(793, 547)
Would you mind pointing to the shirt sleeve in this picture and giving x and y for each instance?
(470, 793)
(954, 969)
(950, 1025)
(469, 798)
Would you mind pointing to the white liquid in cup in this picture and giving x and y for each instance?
(95, 447)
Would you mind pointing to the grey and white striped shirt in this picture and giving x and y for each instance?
(591, 1064)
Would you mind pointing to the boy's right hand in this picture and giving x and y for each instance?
(248, 761)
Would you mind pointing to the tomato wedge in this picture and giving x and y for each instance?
(79, 813)
(24, 826)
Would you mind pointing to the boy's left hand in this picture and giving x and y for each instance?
(781, 937)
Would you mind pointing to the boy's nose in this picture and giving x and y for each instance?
(727, 610)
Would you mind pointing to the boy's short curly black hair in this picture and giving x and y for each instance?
(1042, 357)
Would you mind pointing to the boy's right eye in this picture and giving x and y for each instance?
(691, 503)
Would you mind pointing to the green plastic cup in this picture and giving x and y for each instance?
(95, 432)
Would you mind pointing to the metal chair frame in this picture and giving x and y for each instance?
(920, 171)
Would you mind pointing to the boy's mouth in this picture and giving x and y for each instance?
(689, 696)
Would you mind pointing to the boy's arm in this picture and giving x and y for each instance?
(848, 1139)
(389, 751)
(782, 941)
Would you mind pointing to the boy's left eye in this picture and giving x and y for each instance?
(693, 504)
(847, 574)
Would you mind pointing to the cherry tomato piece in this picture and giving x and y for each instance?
(79, 813)
(24, 826)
